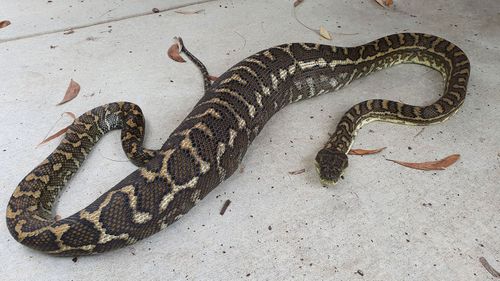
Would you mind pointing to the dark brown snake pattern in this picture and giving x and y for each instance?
(209, 144)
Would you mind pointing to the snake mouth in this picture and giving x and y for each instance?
(327, 183)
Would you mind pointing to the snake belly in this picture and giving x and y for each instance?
(207, 147)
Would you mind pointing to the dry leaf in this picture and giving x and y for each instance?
(212, 78)
(365, 151)
(173, 51)
(189, 12)
(297, 2)
(71, 114)
(325, 33)
(69, 31)
(4, 23)
(71, 92)
(155, 10)
(57, 218)
(431, 165)
(489, 268)
(57, 134)
(298, 172)
(60, 132)
(385, 3)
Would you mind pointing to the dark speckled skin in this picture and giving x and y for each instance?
(209, 144)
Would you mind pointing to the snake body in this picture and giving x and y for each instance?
(206, 148)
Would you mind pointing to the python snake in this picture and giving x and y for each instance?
(209, 144)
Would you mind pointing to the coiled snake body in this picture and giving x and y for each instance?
(209, 144)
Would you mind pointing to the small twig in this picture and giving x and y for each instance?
(297, 19)
(419, 132)
(298, 172)
(489, 268)
(111, 159)
(224, 207)
(347, 34)
(189, 12)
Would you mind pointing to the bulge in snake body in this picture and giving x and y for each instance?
(207, 147)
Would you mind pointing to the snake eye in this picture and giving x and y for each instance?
(330, 164)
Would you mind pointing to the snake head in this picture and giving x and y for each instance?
(330, 164)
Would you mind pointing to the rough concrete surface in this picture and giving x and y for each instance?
(382, 222)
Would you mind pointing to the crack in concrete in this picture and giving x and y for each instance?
(102, 22)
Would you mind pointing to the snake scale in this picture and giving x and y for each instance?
(206, 148)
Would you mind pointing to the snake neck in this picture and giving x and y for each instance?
(341, 66)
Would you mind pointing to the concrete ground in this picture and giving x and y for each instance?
(382, 222)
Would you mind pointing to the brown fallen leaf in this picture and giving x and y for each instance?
(298, 172)
(489, 268)
(173, 51)
(57, 134)
(69, 31)
(4, 23)
(431, 165)
(212, 78)
(57, 218)
(297, 2)
(325, 33)
(365, 151)
(189, 12)
(155, 10)
(224, 207)
(60, 132)
(71, 92)
(385, 3)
